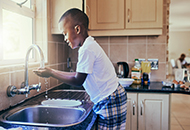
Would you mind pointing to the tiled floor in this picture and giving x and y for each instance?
(180, 112)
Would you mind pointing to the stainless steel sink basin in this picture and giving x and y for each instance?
(32, 114)
(43, 115)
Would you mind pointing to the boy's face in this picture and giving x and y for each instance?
(70, 34)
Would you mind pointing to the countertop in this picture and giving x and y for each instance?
(155, 87)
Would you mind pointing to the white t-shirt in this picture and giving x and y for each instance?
(101, 80)
(179, 64)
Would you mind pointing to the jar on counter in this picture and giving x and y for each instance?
(136, 72)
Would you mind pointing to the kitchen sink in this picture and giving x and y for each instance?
(47, 116)
(33, 114)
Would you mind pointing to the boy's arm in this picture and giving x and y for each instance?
(71, 78)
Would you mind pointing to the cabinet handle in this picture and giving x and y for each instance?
(128, 15)
(141, 107)
(133, 107)
(88, 10)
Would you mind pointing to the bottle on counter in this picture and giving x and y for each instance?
(136, 72)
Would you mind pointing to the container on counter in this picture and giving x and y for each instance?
(136, 72)
(145, 79)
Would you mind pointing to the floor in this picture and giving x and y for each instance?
(180, 112)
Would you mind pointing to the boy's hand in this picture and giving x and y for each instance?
(43, 72)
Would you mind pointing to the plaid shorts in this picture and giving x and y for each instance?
(112, 111)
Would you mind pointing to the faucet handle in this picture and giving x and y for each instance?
(35, 86)
(22, 85)
(39, 87)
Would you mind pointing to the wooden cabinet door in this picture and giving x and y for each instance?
(131, 123)
(58, 7)
(153, 112)
(105, 14)
(144, 14)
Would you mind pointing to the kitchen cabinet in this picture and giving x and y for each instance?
(131, 123)
(58, 7)
(144, 13)
(148, 111)
(105, 14)
(125, 17)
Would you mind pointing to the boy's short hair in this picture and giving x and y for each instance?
(183, 55)
(77, 16)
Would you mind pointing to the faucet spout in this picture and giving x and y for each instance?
(33, 46)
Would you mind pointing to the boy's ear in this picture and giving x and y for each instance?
(77, 29)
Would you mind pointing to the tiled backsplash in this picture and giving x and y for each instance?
(129, 48)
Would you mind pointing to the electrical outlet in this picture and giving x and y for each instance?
(153, 63)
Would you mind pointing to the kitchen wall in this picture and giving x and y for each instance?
(57, 55)
(127, 48)
(178, 43)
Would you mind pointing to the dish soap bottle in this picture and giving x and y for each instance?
(136, 72)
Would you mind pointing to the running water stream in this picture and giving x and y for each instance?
(46, 85)
(46, 96)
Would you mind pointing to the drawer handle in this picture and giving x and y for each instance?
(141, 108)
(133, 107)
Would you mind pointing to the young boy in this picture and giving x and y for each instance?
(94, 71)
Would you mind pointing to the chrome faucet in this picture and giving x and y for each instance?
(25, 88)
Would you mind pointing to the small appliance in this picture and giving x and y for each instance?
(123, 70)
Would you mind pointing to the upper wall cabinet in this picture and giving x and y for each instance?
(106, 14)
(144, 13)
(125, 17)
(58, 7)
